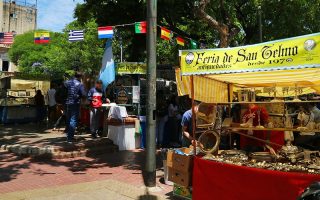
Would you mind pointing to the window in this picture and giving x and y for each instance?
(5, 66)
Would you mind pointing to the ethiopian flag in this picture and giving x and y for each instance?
(180, 41)
(41, 37)
(141, 27)
(166, 34)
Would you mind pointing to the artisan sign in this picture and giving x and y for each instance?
(131, 68)
(291, 53)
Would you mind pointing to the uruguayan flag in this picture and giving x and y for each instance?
(75, 36)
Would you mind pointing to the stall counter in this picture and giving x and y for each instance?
(214, 180)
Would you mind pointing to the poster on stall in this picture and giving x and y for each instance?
(135, 94)
(292, 53)
(131, 68)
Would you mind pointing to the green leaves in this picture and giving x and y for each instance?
(60, 55)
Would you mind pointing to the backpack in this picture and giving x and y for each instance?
(61, 95)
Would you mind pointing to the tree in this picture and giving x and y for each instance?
(32, 58)
(60, 55)
(223, 23)
(85, 55)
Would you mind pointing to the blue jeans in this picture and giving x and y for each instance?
(72, 115)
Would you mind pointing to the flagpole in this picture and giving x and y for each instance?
(150, 168)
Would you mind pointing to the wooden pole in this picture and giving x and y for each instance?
(193, 115)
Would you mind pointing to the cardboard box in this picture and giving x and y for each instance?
(169, 158)
(180, 162)
(180, 177)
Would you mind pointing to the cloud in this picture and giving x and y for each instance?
(55, 14)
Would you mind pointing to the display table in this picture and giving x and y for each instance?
(122, 129)
(18, 114)
(124, 136)
(213, 180)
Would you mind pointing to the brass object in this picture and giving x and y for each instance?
(209, 141)
(262, 156)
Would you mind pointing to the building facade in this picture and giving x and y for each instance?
(17, 17)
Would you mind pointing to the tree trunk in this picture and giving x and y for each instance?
(222, 28)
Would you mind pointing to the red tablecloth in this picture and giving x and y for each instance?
(220, 181)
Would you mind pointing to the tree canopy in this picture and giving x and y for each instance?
(213, 23)
(60, 55)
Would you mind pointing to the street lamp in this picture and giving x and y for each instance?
(260, 21)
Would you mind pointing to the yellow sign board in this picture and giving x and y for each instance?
(131, 68)
(291, 53)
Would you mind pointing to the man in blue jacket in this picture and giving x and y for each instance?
(75, 93)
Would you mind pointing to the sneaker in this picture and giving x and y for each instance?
(94, 136)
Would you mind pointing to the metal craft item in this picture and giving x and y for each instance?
(292, 153)
(262, 156)
(259, 119)
(209, 141)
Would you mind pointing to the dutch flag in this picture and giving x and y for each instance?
(105, 32)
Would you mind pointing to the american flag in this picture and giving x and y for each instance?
(6, 38)
(75, 36)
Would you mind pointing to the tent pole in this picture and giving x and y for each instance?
(193, 115)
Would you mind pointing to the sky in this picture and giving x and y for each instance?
(53, 15)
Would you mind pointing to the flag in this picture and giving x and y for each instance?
(141, 27)
(105, 32)
(107, 72)
(180, 41)
(166, 34)
(6, 38)
(41, 37)
(193, 44)
(75, 36)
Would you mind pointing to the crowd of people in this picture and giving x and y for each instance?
(64, 105)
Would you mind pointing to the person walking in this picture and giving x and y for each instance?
(173, 118)
(75, 93)
(52, 103)
(39, 102)
(96, 98)
(60, 97)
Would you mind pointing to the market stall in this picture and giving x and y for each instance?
(17, 102)
(229, 77)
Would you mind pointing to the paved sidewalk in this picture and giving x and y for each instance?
(115, 175)
(21, 174)
(108, 189)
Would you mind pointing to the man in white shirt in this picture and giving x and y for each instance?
(52, 103)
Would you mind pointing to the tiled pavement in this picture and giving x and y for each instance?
(25, 173)
(20, 174)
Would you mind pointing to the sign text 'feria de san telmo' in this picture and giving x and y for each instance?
(291, 53)
(131, 68)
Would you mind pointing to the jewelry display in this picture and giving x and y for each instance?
(255, 120)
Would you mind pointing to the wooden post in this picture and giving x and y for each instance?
(193, 115)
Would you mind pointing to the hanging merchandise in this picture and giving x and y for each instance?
(41, 37)
(105, 32)
(180, 41)
(141, 27)
(166, 34)
(75, 36)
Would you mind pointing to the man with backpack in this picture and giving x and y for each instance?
(60, 97)
(75, 92)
